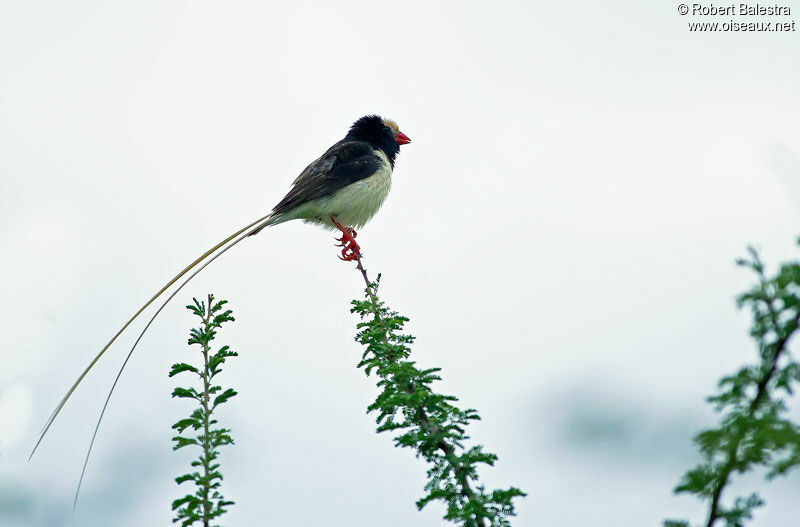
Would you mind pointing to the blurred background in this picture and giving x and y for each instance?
(562, 233)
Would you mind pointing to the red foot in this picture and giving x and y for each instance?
(351, 251)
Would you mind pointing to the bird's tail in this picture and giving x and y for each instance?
(258, 229)
(259, 224)
(273, 219)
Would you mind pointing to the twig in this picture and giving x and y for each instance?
(761, 392)
(447, 449)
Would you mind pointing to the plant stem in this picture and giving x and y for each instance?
(449, 452)
(206, 439)
(761, 392)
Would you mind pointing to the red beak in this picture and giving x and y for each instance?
(401, 139)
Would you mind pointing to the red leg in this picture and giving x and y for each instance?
(351, 250)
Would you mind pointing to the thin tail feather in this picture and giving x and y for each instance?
(265, 219)
(274, 219)
(136, 343)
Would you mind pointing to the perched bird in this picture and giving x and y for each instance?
(342, 189)
(346, 186)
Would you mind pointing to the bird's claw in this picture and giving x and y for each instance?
(348, 237)
(350, 249)
(348, 257)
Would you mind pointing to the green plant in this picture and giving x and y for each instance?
(754, 430)
(431, 424)
(206, 503)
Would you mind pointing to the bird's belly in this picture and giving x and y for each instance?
(355, 204)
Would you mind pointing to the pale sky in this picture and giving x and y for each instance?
(561, 232)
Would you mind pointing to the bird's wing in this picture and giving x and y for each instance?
(343, 164)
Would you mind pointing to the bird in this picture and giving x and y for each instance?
(345, 186)
(340, 190)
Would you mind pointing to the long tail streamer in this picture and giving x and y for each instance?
(52, 418)
(136, 343)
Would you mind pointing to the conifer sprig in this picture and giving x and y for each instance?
(430, 423)
(206, 503)
(754, 430)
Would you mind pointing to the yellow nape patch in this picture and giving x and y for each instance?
(391, 124)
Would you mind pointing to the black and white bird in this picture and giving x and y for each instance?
(342, 189)
(347, 185)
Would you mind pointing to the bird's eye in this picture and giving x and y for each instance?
(388, 130)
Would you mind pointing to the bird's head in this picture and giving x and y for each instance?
(379, 131)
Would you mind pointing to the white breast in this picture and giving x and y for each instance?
(355, 204)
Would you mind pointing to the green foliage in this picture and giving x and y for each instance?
(207, 502)
(430, 423)
(754, 430)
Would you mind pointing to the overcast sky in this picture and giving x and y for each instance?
(561, 232)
